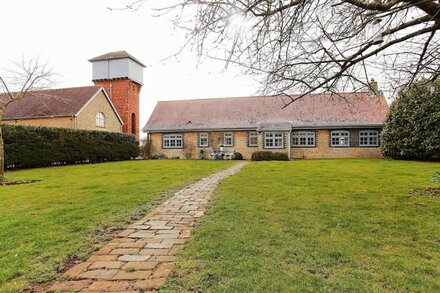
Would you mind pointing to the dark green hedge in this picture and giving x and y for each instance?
(237, 156)
(269, 156)
(412, 128)
(31, 147)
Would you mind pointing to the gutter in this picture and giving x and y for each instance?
(365, 126)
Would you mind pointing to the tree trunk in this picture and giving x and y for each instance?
(2, 159)
(2, 153)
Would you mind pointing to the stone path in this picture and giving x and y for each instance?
(142, 256)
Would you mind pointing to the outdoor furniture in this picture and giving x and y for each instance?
(221, 154)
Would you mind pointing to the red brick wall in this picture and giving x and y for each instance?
(125, 96)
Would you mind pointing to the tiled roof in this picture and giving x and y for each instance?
(318, 110)
(116, 55)
(50, 103)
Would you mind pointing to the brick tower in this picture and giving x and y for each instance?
(122, 77)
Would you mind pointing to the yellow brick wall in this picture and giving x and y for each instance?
(323, 149)
(87, 118)
(65, 122)
(215, 140)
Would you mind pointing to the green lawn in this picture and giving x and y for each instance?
(318, 226)
(67, 213)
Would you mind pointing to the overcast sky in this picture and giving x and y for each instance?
(68, 33)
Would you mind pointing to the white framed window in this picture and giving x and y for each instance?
(253, 139)
(100, 119)
(273, 140)
(228, 139)
(340, 138)
(368, 138)
(203, 139)
(172, 141)
(303, 139)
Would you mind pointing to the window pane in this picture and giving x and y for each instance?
(340, 138)
(203, 139)
(100, 119)
(368, 138)
(303, 138)
(227, 139)
(172, 140)
(253, 139)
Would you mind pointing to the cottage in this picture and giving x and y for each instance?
(346, 125)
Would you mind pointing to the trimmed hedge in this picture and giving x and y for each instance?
(238, 156)
(32, 147)
(412, 128)
(269, 156)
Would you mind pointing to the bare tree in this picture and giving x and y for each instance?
(316, 45)
(25, 76)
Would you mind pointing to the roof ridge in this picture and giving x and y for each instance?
(61, 88)
(116, 55)
(262, 96)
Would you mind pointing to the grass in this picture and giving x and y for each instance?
(67, 213)
(318, 226)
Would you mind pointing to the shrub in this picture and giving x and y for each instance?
(158, 157)
(238, 156)
(202, 154)
(412, 128)
(269, 156)
(32, 147)
(280, 157)
(144, 148)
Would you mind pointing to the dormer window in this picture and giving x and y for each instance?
(100, 119)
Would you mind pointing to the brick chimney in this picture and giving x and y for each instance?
(374, 87)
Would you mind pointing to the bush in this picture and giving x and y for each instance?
(412, 128)
(238, 156)
(144, 148)
(158, 157)
(32, 147)
(269, 156)
(202, 154)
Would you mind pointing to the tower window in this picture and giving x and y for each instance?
(100, 119)
(133, 123)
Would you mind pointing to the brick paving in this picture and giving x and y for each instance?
(142, 256)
